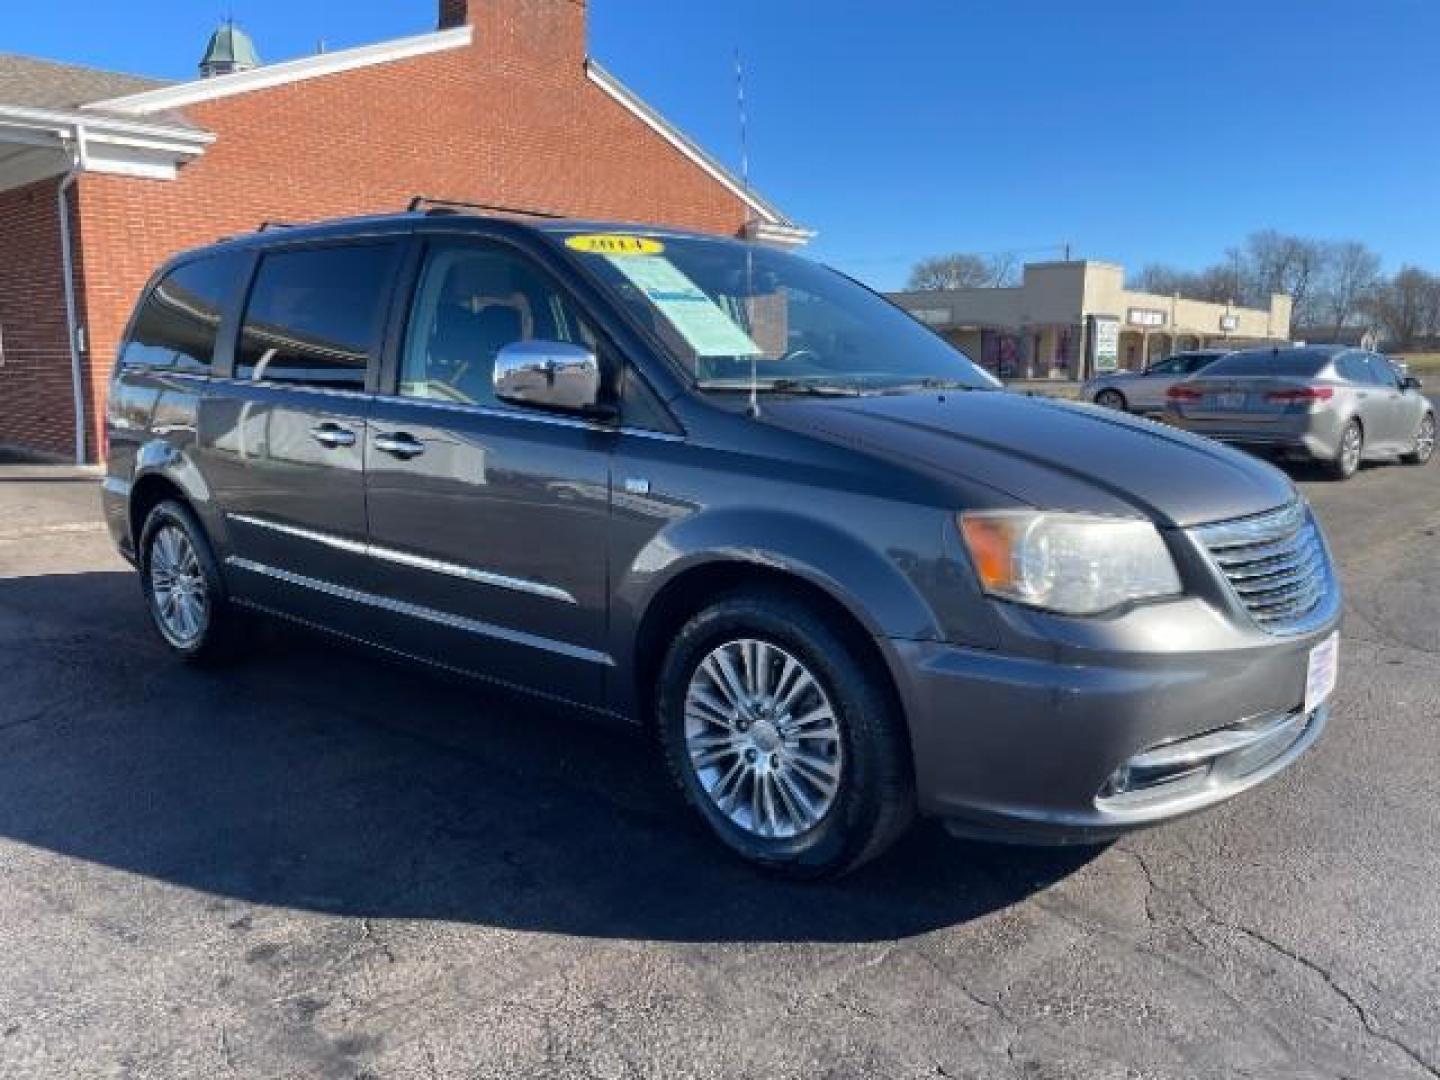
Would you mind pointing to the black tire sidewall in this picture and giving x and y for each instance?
(210, 644)
(848, 833)
(1105, 396)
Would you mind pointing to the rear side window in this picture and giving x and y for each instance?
(1352, 366)
(180, 318)
(1294, 363)
(314, 316)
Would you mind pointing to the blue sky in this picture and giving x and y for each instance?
(1136, 131)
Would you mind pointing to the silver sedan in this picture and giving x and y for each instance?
(1329, 403)
(1144, 391)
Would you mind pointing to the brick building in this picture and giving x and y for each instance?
(103, 176)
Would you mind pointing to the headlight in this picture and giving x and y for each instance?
(1077, 564)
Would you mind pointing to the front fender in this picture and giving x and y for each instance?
(872, 587)
(882, 580)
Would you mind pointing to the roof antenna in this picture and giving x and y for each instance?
(749, 250)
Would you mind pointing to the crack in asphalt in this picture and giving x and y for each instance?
(1360, 1012)
(1356, 1006)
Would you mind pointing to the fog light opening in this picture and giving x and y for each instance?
(1133, 779)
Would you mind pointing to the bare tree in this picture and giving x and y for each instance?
(1351, 274)
(962, 271)
(1162, 280)
(1407, 306)
(1279, 263)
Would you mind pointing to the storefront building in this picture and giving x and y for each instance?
(1067, 320)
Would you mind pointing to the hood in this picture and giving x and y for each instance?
(1048, 454)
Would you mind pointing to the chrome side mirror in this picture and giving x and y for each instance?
(548, 375)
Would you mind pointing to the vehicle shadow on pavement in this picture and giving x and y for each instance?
(320, 776)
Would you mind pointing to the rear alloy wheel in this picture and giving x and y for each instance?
(1111, 399)
(183, 588)
(1348, 454)
(1424, 442)
(782, 738)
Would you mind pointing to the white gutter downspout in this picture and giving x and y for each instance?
(72, 321)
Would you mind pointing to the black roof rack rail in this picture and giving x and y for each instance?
(455, 206)
(266, 226)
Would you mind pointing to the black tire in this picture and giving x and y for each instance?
(1346, 462)
(1424, 448)
(1112, 399)
(220, 633)
(875, 797)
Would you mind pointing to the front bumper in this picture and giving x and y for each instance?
(1027, 750)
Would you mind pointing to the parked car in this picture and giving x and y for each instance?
(1328, 403)
(1144, 391)
(731, 497)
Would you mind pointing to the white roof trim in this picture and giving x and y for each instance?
(108, 128)
(289, 71)
(48, 141)
(667, 131)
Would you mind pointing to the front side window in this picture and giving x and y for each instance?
(179, 320)
(1381, 373)
(315, 315)
(472, 300)
(722, 307)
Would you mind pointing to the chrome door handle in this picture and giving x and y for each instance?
(332, 435)
(400, 444)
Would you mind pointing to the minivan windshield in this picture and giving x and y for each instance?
(722, 306)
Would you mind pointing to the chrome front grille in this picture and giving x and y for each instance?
(1275, 564)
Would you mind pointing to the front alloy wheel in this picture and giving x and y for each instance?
(1424, 448)
(780, 731)
(763, 739)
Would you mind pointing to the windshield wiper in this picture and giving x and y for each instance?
(931, 382)
(782, 386)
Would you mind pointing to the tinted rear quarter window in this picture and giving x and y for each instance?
(1295, 364)
(314, 315)
(178, 321)
(1352, 366)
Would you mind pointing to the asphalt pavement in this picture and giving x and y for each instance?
(323, 863)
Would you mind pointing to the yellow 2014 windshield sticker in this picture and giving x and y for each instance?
(614, 244)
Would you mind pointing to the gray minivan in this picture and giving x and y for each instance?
(731, 497)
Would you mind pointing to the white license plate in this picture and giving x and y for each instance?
(1230, 401)
(1321, 674)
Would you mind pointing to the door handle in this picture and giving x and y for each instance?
(400, 445)
(332, 435)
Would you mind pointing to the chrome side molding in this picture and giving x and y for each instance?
(418, 611)
(406, 558)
